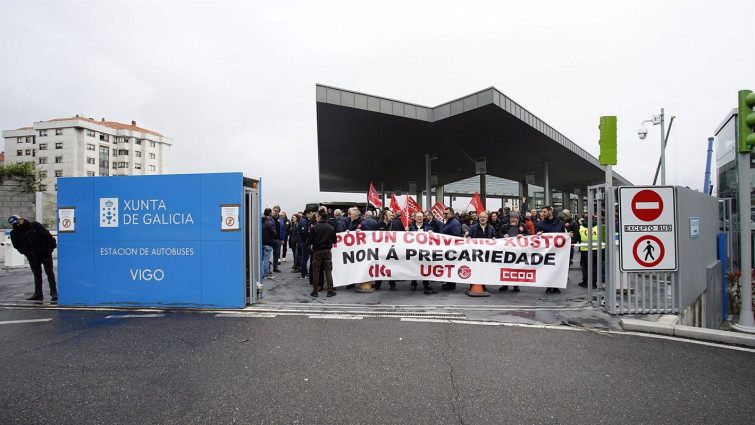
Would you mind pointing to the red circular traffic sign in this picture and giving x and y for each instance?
(655, 259)
(647, 205)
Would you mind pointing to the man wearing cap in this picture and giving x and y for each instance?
(37, 244)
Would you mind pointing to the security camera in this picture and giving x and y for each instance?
(642, 132)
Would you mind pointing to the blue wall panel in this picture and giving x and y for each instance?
(151, 241)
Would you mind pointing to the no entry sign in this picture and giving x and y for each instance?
(647, 205)
(647, 228)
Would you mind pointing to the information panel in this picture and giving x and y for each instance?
(151, 241)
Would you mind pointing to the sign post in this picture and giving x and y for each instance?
(647, 228)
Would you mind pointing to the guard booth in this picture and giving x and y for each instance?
(182, 240)
(661, 253)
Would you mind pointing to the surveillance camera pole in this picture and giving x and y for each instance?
(663, 149)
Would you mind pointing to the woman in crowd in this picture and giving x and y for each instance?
(419, 225)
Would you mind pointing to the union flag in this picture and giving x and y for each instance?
(374, 198)
(394, 204)
(476, 203)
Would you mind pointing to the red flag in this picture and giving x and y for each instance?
(394, 204)
(477, 203)
(374, 198)
(438, 210)
(410, 208)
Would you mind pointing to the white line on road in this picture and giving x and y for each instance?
(132, 316)
(335, 316)
(245, 314)
(10, 322)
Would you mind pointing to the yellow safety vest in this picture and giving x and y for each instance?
(583, 237)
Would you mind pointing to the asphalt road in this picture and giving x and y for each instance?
(82, 367)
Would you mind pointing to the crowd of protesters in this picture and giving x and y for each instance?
(310, 235)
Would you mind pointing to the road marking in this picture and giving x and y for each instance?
(335, 316)
(245, 314)
(691, 341)
(10, 322)
(133, 316)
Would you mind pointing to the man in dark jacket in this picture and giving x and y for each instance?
(453, 228)
(303, 245)
(434, 223)
(356, 219)
(549, 224)
(322, 237)
(513, 229)
(280, 235)
(572, 226)
(385, 222)
(369, 223)
(268, 242)
(36, 243)
(340, 222)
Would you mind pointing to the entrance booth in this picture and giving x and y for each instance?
(182, 240)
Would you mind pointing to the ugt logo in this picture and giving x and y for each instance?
(108, 212)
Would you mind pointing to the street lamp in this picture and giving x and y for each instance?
(643, 132)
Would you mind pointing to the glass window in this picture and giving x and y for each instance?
(28, 151)
(43, 174)
(151, 156)
(90, 146)
(137, 154)
(90, 173)
(20, 152)
(43, 187)
(151, 168)
(91, 161)
(43, 160)
(42, 133)
(138, 166)
(30, 139)
(90, 133)
(58, 131)
(138, 141)
(151, 144)
(104, 137)
(58, 159)
(58, 145)
(58, 173)
(43, 146)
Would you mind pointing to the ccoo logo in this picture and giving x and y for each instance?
(108, 212)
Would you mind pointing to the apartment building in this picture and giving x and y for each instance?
(78, 146)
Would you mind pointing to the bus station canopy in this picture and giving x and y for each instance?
(364, 138)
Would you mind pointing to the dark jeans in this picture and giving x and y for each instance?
(304, 258)
(276, 252)
(285, 249)
(36, 268)
(583, 265)
(322, 260)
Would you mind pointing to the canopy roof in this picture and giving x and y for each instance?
(364, 138)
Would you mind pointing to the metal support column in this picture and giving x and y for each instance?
(746, 322)
(483, 189)
(439, 195)
(428, 195)
(382, 194)
(547, 187)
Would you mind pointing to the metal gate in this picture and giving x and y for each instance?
(622, 292)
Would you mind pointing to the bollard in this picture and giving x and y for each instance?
(476, 291)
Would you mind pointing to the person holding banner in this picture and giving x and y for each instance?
(322, 237)
(451, 227)
(549, 224)
(419, 225)
(513, 229)
(303, 245)
(482, 230)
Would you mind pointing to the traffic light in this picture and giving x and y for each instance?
(607, 141)
(746, 121)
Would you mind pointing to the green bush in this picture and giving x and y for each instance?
(23, 171)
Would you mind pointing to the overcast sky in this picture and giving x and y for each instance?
(233, 83)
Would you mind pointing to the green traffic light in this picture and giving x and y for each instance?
(746, 120)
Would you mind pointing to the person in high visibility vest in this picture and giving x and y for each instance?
(583, 238)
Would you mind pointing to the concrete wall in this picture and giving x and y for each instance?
(13, 200)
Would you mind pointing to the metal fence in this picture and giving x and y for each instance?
(622, 292)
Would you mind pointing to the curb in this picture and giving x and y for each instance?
(704, 334)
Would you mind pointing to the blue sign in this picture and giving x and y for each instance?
(161, 241)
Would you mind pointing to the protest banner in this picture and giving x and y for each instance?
(539, 260)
